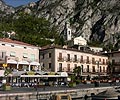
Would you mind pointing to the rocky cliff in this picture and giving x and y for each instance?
(95, 20)
(5, 9)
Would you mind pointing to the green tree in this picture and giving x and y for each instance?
(77, 71)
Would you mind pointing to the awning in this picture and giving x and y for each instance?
(23, 62)
(35, 63)
(45, 76)
(11, 62)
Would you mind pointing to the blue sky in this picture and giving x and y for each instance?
(16, 3)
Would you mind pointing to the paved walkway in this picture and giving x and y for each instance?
(53, 88)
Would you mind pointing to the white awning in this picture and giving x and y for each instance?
(11, 62)
(23, 62)
(35, 63)
(42, 76)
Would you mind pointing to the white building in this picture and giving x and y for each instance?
(96, 49)
(80, 41)
(65, 59)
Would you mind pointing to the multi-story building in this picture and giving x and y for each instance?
(114, 62)
(66, 59)
(18, 55)
(22, 64)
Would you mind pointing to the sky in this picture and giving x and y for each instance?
(16, 3)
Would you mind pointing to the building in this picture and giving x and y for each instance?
(79, 41)
(65, 59)
(114, 59)
(19, 56)
(67, 32)
(96, 49)
(19, 62)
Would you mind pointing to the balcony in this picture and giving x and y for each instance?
(60, 59)
(82, 61)
(116, 63)
(68, 60)
(94, 62)
(13, 58)
(88, 61)
(76, 60)
(26, 59)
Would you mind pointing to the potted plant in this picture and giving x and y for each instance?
(72, 84)
(6, 86)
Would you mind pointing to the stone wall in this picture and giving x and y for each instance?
(46, 95)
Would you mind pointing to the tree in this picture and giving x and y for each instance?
(77, 70)
(110, 67)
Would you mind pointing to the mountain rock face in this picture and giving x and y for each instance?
(95, 20)
(5, 9)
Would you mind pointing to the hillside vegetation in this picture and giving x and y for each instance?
(30, 29)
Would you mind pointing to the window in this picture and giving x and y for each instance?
(87, 59)
(93, 61)
(12, 45)
(87, 68)
(93, 68)
(49, 65)
(12, 54)
(75, 57)
(32, 57)
(60, 67)
(99, 59)
(25, 55)
(2, 54)
(82, 68)
(100, 69)
(69, 32)
(81, 59)
(3, 44)
(68, 67)
(60, 55)
(75, 65)
(25, 47)
(103, 69)
(68, 57)
(103, 61)
(49, 55)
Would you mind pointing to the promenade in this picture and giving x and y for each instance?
(30, 93)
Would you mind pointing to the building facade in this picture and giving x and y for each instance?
(114, 59)
(18, 56)
(66, 59)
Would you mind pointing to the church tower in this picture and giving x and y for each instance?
(67, 32)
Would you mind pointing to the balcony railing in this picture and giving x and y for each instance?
(13, 58)
(30, 60)
(60, 59)
(116, 63)
(76, 60)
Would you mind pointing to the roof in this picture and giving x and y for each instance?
(71, 49)
(80, 38)
(14, 41)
